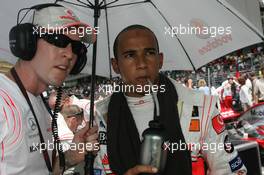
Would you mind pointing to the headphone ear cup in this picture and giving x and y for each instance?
(80, 62)
(23, 41)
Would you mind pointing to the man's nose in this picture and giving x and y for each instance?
(67, 53)
(141, 61)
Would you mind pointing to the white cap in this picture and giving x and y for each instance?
(59, 17)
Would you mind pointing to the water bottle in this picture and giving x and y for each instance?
(152, 152)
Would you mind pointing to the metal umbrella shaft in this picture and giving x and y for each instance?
(89, 157)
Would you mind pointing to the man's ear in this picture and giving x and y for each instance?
(160, 60)
(73, 120)
(114, 63)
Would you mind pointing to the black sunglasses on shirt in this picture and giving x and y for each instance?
(62, 41)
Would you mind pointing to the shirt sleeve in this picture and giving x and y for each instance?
(3, 127)
(10, 124)
(220, 155)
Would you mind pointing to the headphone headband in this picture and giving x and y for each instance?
(42, 6)
(37, 8)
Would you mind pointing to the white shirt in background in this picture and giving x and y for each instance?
(245, 95)
(259, 89)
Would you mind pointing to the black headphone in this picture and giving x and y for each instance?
(23, 40)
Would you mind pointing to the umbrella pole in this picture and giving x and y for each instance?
(89, 157)
(108, 40)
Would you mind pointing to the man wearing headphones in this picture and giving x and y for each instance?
(44, 59)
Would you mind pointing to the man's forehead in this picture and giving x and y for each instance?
(133, 33)
(129, 37)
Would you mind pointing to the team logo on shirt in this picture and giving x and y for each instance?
(105, 163)
(218, 124)
(32, 124)
(236, 164)
(102, 124)
(140, 102)
(228, 146)
(32, 127)
(194, 125)
(102, 138)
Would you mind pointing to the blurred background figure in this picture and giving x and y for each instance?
(244, 94)
(253, 79)
(203, 87)
(248, 82)
(259, 88)
(226, 94)
(188, 82)
(71, 116)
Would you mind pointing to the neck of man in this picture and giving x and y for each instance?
(134, 94)
(141, 94)
(28, 78)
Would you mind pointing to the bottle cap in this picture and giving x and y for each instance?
(155, 124)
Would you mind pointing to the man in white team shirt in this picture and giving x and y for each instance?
(54, 58)
(137, 60)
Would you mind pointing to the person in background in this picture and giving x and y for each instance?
(248, 81)
(188, 82)
(226, 94)
(68, 122)
(259, 88)
(254, 80)
(73, 116)
(244, 94)
(203, 87)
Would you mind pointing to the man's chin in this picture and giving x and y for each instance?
(142, 89)
(57, 83)
(141, 82)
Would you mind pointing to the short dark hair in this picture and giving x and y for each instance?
(252, 74)
(132, 27)
(241, 80)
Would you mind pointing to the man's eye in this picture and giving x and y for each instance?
(129, 55)
(151, 53)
